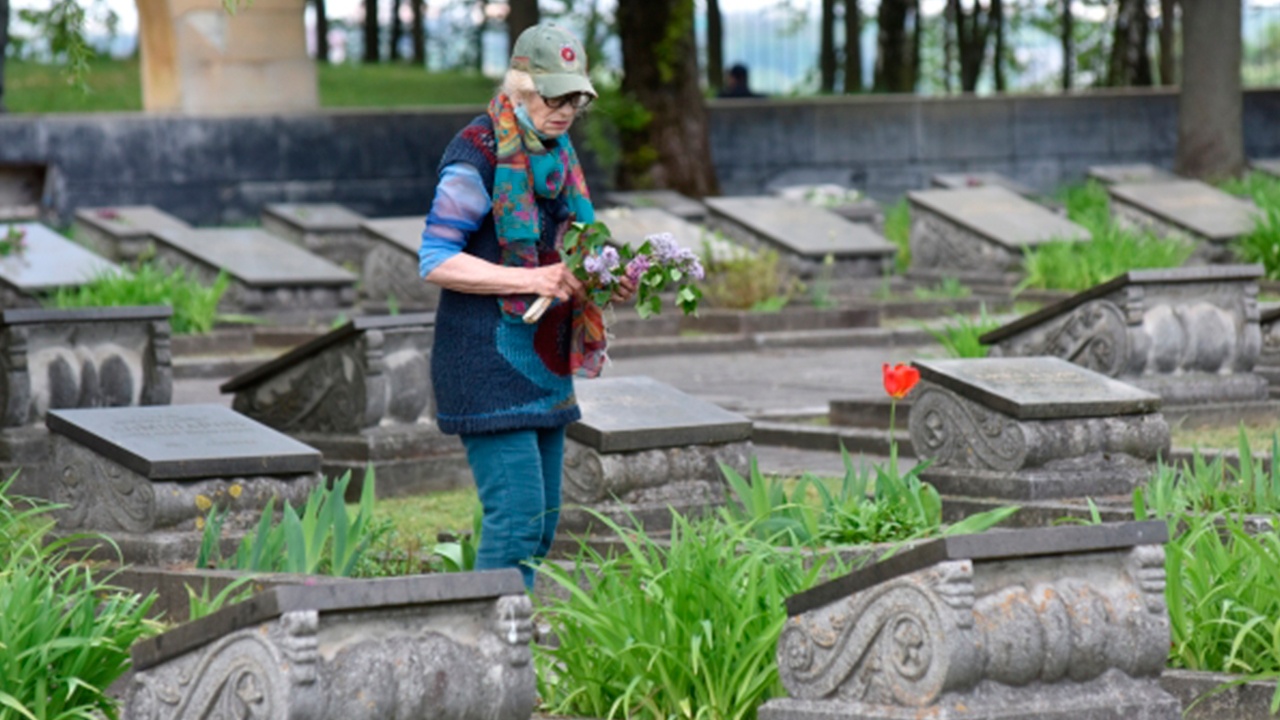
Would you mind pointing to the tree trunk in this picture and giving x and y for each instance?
(1130, 63)
(419, 33)
(715, 46)
(372, 53)
(397, 32)
(827, 48)
(1068, 44)
(524, 14)
(660, 73)
(322, 31)
(1168, 38)
(895, 54)
(1211, 105)
(852, 47)
(948, 44)
(973, 29)
(4, 45)
(478, 39)
(997, 58)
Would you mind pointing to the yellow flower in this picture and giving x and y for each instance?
(199, 523)
(203, 502)
(234, 491)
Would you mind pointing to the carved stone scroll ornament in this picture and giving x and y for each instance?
(939, 244)
(247, 675)
(906, 642)
(592, 477)
(325, 395)
(955, 432)
(1094, 335)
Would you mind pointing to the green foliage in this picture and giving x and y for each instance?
(1204, 486)
(585, 242)
(897, 230)
(947, 289)
(1262, 245)
(322, 539)
(1088, 205)
(459, 554)
(877, 505)
(64, 634)
(1262, 188)
(195, 305)
(1068, 265)
(201, 604)
(959, 336)
(685, 630)
(749, 281)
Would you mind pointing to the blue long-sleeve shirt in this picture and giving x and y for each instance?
(459, 208)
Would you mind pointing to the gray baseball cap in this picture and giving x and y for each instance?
(554, 58)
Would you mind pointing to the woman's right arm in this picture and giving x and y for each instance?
(460, 206)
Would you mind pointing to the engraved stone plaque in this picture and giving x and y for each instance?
(1189, 206)
(998, 215)
(1124, 174)
(1038, 388)
(170, 442)
(49, 261)
(639, 413)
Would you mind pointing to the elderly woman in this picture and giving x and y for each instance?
(510, 185)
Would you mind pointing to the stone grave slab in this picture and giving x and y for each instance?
(982, 230)
(123, 234)
(146, 476)
(451, 647)
(845, 202)
(682, 206)
(361, 394)
(327, 229)
(1064, 622)
(1268, 166)
(267, 273)
(1032, 428)
(48, 261)
(86, 357)
(642, 447)
(1126, 174)
(802, 234)
(970, 181)
(1185, 208)
(1189, 335)
(391, 276)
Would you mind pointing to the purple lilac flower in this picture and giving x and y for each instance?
(597, 266)
(638, 266)
(663, 248)
(609, 255)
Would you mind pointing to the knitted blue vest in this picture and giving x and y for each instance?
(491, 373)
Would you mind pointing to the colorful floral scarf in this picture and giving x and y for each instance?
(528, 169)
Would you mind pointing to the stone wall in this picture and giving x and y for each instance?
(382, 163)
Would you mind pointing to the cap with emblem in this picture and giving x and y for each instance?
(554, 58)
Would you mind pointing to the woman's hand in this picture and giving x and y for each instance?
(554, 281)
(624, 292)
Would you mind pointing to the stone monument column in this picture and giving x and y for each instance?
(199, 58)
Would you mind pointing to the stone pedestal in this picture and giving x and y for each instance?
(56, 359)
(267, 273)
(1187, 209)
(361, 395)
(1268, 365)
(146, 477)
(46, 263)
(391, 276)
(1032, 428)
(1190, 335)
(1058, 623)
(983, 230)
(123, 234)
(197, 58)
(644, 447)
(804, 236)
(328, 230)
(451, 647)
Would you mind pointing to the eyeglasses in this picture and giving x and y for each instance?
(577, 101)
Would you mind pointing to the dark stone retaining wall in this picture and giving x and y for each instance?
(210, 170)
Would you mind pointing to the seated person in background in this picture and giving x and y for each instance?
(737, 83)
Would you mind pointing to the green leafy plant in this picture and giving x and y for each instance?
(1088, 204)
(959, 336)
(947, 289)
(1262, 188)
(14, 241)
(195, 304)
(459, 554)
(897, 230)
(1208, 486)
(64, 633)
(322, 539)
(1262, 245)
(686, 629)
(1070, 265)
(601, 262)
(201, 604)
(749, 281)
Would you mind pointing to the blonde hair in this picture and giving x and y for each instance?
(518, 85)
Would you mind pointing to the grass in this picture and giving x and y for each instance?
(1228, 437)
(959, 336)
(195, 304)
(897, 230)
(425, 516)
(116, 86)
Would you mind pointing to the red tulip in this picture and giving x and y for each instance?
(899, 379)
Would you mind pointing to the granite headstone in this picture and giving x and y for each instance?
(1186, 208)
(267, 273)
(1189, 335)
(1032, 428)
(805, 235)
(329, 230)
(361, 394)
(642, 447)
(146, 476)
(981, 230)
(43, 261)
(450, 647)
(124, 233)
(682, 206)
(1065, 622)
(391, 276)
